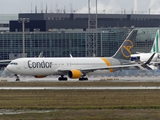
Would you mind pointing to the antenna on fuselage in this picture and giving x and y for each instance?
(70, 55)
(40, 55)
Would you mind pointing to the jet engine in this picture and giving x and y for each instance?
(74, 74)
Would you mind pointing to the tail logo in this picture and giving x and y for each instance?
(126, 48)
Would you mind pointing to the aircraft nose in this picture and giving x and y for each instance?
(9, 68)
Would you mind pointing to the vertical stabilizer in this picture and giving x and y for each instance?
(125, 50)
(156, 43)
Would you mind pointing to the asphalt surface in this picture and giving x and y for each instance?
(90, 79)
(82, 88)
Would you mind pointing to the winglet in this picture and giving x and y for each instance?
(150, 59)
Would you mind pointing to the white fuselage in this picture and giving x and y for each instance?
(51, 66)
(145, 56)
(154, 64)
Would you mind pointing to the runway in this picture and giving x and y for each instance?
(90, 79)
(82, 88)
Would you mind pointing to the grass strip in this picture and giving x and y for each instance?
(84, 83)
(79, 99)
(81, 104)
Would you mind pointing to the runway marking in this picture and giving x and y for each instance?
(81, 88)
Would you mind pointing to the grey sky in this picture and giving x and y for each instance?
(104, 6)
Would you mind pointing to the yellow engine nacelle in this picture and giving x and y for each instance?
(74, 74)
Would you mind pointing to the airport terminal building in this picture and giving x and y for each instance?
(4, 21)
(47, 21)
(58, 34)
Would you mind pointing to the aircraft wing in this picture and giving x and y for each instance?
(91, 69)
(112, 67)
(142, 66)
(2, 61)
(155, 63)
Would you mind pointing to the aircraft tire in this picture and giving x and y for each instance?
(17, 79)
(59, 78)
(81, 79)
(65, 78)
(62, 79)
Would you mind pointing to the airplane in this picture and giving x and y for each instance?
(77, 67)
(143, 57)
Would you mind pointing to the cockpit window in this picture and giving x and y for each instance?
(13, 63)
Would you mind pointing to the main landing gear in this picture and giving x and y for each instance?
(17, 77)
(83, 78)
(62, 78)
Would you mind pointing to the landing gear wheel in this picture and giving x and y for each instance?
(17, 78)
(83, 78)
(62, 78)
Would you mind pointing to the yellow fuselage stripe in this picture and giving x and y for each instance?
(107, 63)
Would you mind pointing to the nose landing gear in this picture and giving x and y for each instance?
(17, 77)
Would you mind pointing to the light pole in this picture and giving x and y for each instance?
(101, 45)
(23, 21)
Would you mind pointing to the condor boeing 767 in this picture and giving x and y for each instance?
(78, 67)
